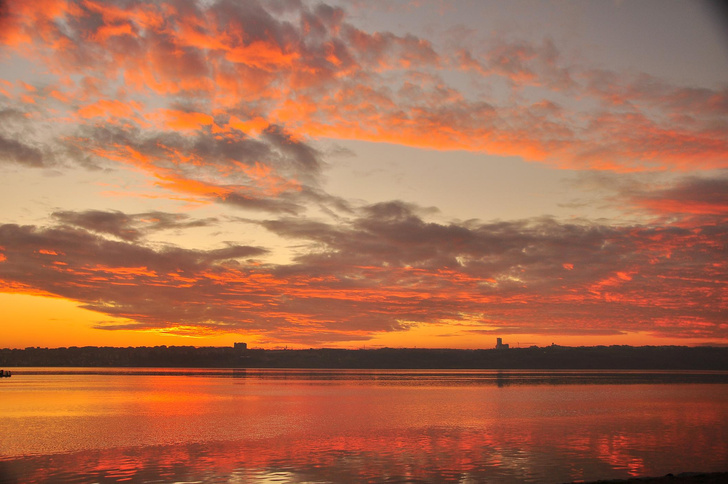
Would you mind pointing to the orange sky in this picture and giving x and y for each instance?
(308, 175)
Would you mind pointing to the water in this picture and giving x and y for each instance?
(158, 425)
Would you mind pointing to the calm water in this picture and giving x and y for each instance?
(101, 425)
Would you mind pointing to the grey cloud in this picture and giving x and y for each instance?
(272, 205)
(690, 195)
(17, 143)
(612, 87)
(233, 252)
(395, 210)
(302, 156)
(381, 48)
(288, 158)
(113, 223)
(8, 114)
(12, 150)
(393, 234)
(571, 331)
(523, 63)
(691, 200)
(331, 204)
(129, 227)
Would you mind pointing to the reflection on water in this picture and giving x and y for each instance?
(416, 377)
(343, 426)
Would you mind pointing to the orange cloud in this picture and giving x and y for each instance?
(106, 31)
(309, 80)
(109, 109)
(181, 120)
(25, 21)
(266, 181)
(252, 127)
(262, 55)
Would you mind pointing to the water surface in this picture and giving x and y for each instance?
(162, 425)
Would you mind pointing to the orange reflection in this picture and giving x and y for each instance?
(188, 427)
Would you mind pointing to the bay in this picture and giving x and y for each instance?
(194, 425)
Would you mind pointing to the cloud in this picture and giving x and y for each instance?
(119, 277)
(265, 173)
(684, 201)
(691, 198)
(383, 268)
(12, 150)
(515, 271)
(521, 63)
(571, 331)
(643, 89)
(128, 227)
(297, 71)
(17, 145)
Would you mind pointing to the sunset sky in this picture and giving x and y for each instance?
(363, 174)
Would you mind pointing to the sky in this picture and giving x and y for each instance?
(361, 174)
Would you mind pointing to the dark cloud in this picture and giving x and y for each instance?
(17, 144)
(683, 201)
(233, 251)
(706, 198)
(571, 331)
(128, 227)
(272, 205)
(264, 174)
(8, 114)
(15, 151)
(303, 157)
(114, 223)
(394, 235)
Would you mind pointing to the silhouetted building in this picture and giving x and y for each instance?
(240, 346)
(499, 344)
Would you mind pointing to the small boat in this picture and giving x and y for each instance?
(5, 374)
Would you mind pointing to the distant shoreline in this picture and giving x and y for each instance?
(534, 358)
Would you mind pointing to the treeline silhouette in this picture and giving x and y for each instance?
(550, 357)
